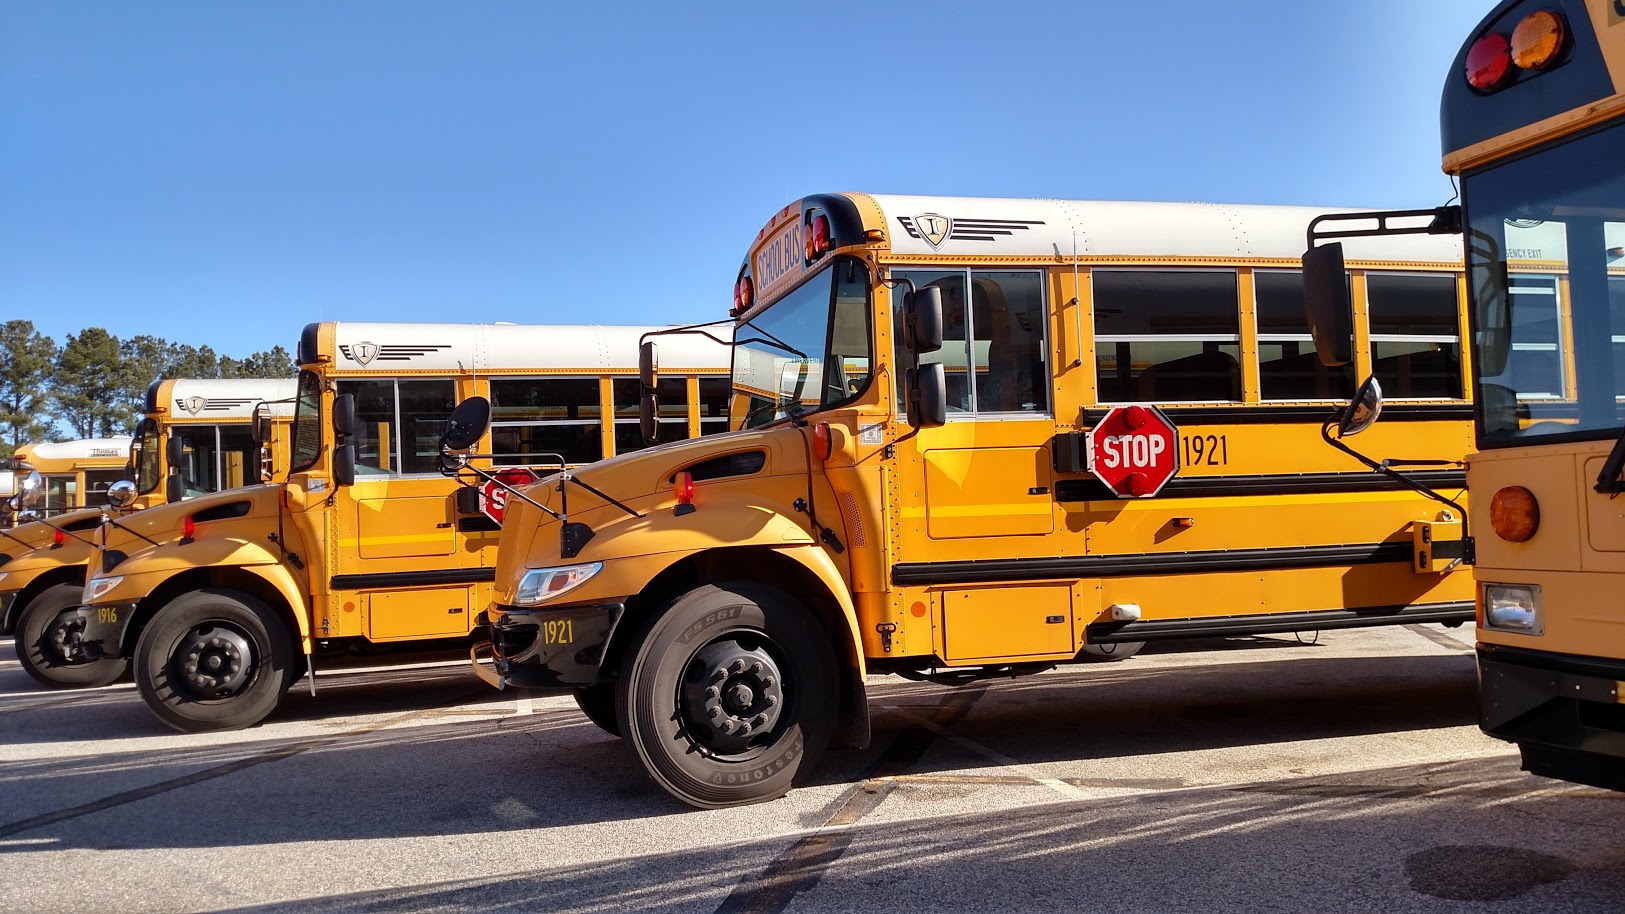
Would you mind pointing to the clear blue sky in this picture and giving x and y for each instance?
(225, 173)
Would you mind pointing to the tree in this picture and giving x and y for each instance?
(27, 359)
(276, 363)
(90, 383)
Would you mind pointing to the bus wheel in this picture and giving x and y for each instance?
(1105, 653)
(598, 703)
(213, 660)
(730, 695)
(48, 643)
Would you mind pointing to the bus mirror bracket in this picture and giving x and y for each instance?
(927, 404)
(1327, 301)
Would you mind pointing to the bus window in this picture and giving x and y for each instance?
(1288, 368)
(400, 423)
(1535, 364)
(1000, 336)
(954, 339)
(239, 456)
(199, 467)
(1167, 335)
(96, 484)
(673, 418)
(535, 416)
(714, 396)
(1415, 343)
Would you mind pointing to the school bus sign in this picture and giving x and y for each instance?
(1134, 450)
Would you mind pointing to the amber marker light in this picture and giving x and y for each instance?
(1537, 39)
(1514, 514)
(1489, 61)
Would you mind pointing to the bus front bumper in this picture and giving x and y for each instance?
(102, 627)
(546, 647)
(1566, 713)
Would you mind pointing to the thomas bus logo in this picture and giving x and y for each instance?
(194, 405)
(364, 353)
(933, 228)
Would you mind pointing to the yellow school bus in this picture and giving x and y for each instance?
(1533, 125)
(77, 473)
(367, 546)
(941, 468)
(195, 437)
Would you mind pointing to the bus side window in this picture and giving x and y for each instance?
(532, 417)
(1008, 312)
(1171, 336)
(1415, 341)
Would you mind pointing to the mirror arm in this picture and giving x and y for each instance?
(570, 478)
(1446, 221)
(69, 533)
(1395, 475)
(491, 477)
(14, 539)
(109, 519)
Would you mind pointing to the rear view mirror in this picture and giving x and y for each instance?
(927, 396)
(174, 488)
(31, 490)
(344, 421)
(1327, 304)
(175, 450)
(648, 400)
(262, 426)
(1492, 307)
(344, 465)
(922, 320)
(466, 425)
(1362, 410)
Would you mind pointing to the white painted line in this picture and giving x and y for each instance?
(525, 705)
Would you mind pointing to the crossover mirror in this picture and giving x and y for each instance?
(1362, 410)
(121, 494)
(466, 425)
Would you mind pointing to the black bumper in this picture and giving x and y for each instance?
(6, 622)
(104, 628)
(548, 647)
(1564, 712)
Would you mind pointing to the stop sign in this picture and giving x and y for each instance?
(494, 493)
(1134, 450)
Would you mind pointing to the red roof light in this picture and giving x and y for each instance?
(1489, 62)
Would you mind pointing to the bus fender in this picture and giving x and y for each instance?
(852, 721)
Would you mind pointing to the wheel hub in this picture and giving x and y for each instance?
(64, 641)
(733, 696)
(212, 662)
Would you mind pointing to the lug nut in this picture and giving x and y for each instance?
(738, 666)
(757, 668)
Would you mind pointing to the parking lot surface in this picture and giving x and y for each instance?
(1258, 774)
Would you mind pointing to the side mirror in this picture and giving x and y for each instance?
(465, 425)
(648, 399)
(121, 494)
(262, 427)
(1493, 317)
(175, 451)
(344, 421)
(927, 396)
(174, 488)
(1328, 305)
(922, 320)
(344, 465)
(31, 490)
(1362, 410)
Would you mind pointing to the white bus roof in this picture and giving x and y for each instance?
(388, 347)
(227, 399)
(1008, 227)
(80, 449)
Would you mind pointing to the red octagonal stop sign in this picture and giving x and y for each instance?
(1134, 450)
(494, 493)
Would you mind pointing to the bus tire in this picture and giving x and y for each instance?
(598, 703)
(1110, 652)
(730, 695)
(45, 644)
(213, 660)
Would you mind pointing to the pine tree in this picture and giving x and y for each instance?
(89, 381)
(27, 359)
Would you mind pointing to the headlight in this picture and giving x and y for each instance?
(1513, 608)
(95, 587)
(542, 584)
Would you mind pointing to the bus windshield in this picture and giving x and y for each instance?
(307, 423)
(1536, 224)
(146, 453)
(809, 350)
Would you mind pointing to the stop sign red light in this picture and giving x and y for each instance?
(494, 493)
(1134, 450)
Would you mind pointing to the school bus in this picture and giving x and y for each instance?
(77, 473)
(194, 437)
(1533, 124)
(366, 546)
(923, 477)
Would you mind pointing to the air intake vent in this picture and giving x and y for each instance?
(222, 512)
(853, 520)
(741, 464)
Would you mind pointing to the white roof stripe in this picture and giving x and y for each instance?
(383, 347)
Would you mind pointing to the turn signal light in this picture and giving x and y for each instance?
(684, 488)
(1514, 514)
(188, 527)
(58, 537)
(1537, 39)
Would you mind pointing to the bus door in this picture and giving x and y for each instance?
(984, 480)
